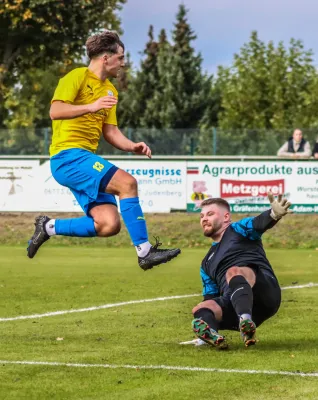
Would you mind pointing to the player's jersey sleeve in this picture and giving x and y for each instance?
(68, 86)
(209, 286)
(111, 118)
(245, 228)
(253, 227)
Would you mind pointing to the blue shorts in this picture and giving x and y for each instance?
(86, 175)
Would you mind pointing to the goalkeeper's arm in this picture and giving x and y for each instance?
(280, 206)
(269, 218)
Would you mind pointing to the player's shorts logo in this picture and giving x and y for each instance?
(110, 93)
(98, 166)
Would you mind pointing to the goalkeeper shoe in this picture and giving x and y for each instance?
(208, 335)
(39, 237)
(157, 256)
(248, 332)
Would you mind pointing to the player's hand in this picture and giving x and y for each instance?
(141, 148)
(103, 102)
(280, 206)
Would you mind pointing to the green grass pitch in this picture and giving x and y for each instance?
(144, 334)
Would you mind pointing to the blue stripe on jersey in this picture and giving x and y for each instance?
(209, 286)
(245, 228)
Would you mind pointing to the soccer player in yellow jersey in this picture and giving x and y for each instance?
(82, 109)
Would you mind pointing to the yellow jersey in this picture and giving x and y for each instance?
(80, 87)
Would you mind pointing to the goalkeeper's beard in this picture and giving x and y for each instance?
(211, 230)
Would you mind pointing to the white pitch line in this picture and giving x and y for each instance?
(300, 286)
(79, 310)
(164, 367)
(124, 303)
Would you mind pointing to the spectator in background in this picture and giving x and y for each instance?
(315, 150)
(296, 146)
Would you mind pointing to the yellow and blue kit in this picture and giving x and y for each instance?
(74, 163)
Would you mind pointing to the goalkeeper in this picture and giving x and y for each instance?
(240, 288)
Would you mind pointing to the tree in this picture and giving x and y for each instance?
(209, 120)
(183, 89)
(135, 108)
(266, 87)
(154, 113)
(124, 84)
(28, 102)
(169, 91)
(310, 116)
(144, 86)
(42, 32)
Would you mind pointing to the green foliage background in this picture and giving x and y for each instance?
(267, 88)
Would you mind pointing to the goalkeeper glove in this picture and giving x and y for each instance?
(279, 206)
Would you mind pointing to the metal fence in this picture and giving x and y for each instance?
(208, 141)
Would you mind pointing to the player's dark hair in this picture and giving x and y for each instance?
(105, 42)
(218, 201)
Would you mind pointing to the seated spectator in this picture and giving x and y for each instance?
(315, 150)
(296, 146)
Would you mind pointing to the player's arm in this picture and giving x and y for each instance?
(62, 110)
(254, 227)
(263, 222)
(115, 137)
(66, 92)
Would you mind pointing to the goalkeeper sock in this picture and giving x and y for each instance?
(207, 316)
(242, 295)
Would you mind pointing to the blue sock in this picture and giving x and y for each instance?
(80, 227)
(134, 220)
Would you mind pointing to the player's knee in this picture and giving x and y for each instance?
(245, 272)
(231, 272)
(211, 305)
(108, 227)
(196, 308)
(115, 228)
(129, 185)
